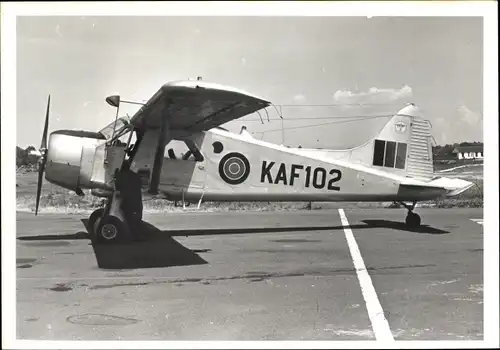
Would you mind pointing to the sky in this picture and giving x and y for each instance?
(381, 62)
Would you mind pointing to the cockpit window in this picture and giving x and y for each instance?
(107, 131)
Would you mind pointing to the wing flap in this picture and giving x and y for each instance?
(196, 106)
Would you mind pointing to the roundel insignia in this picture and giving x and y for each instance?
(234, 168)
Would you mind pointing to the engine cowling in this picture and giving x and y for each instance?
(70, 158)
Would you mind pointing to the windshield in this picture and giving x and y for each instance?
(109, 130)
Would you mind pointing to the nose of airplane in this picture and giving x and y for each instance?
(63, 159)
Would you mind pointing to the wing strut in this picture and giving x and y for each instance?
(163, 139)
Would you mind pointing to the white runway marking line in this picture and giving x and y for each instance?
(375, 312)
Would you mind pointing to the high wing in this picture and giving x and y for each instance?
(193, 106)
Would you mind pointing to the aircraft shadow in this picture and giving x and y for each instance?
(401, 226)
(67, 237)
(426, 229)
(159, 249)
(151, 231)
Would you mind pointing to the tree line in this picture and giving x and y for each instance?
(24, 158)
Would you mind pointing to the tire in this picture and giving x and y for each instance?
(413, 220)
(94, 219)
(110, 230)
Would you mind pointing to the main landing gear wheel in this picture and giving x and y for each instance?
(94, 220)
(106, 229)
(110, 229)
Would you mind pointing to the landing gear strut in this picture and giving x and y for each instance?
(412, 219)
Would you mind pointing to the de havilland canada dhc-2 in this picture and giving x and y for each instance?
(394, 166)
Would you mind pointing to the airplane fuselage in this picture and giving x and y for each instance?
(247, 169)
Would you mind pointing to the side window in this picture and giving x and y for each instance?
(183, 151)
(401, 156)
(194, 151)
(390, 154)
(378, 153)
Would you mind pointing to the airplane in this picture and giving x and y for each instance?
(394, 166)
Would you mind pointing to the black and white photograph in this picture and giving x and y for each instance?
(228, 174)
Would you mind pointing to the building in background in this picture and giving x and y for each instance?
(469, 152)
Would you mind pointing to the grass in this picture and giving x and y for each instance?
(71, 203)
(472, 198)
(56, 199)
(440, 166)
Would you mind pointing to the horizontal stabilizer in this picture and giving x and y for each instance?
(438, 186)
(453, 186)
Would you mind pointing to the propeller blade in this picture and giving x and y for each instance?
(45, 129)
(39, 184)
(43, 158)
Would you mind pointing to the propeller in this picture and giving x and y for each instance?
(43, 157)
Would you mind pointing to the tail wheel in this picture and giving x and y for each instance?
(110, 229)
(413, 220)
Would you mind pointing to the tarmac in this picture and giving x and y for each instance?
(255, 276)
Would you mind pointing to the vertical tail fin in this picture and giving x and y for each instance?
(404, 145)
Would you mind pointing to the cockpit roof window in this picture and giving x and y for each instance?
(80, 133)
(121, 124)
